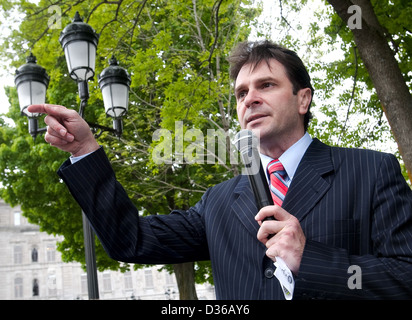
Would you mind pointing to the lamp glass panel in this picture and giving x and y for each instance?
(81, 59)
(31, 92)
(116, 99)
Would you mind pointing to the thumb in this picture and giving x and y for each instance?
(274, 211)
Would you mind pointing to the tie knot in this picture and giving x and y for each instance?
(276, 166)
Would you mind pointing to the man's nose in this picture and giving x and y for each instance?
(253, 98)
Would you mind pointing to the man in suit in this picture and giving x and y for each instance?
(344, 227)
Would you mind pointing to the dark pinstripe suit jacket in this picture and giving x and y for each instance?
(354, 206)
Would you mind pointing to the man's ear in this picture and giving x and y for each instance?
(305, 97)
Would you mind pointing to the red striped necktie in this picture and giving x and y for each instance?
(278, 186)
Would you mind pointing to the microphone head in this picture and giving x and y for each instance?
(245, 140)
(247, 144)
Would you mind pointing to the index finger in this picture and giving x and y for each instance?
(51, 109)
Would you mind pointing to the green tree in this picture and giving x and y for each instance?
(175, 52)
(382, 36)
(359, 53)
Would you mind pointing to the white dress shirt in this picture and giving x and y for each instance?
(291, 158)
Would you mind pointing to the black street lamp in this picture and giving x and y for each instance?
(31, 82)
(114, 83)
(76, 39)
(79, 42)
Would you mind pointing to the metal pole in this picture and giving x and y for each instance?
(91, 269)
(89, 245)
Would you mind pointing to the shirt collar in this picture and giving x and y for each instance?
(291, 158)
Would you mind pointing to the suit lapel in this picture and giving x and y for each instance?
(244, 205)
(309, 184)
(307, 188)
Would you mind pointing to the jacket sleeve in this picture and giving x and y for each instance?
(328, 272)
(126, 236)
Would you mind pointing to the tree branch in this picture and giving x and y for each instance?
(355, 77)
(199, 32)
(216, 8)
(282, 17)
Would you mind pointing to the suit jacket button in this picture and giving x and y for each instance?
(268, 273)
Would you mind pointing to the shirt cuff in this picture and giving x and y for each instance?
(73, 160)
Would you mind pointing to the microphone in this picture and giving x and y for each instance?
(247, 144)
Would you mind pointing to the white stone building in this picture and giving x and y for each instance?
(31, 268)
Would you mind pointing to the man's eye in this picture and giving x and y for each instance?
(241, 94)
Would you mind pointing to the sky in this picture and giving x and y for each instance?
(6, 74)
(4, 81)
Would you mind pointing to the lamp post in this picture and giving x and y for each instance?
(79, 42)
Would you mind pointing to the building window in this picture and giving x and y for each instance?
(34, 255)
(52, 285)
(35, 287)
(17, 218)
(51, 253)
(18, 255)
(83, 280)
(128, 282)
(107, 282)
(148, 278)
(170, 278)
(18, 288)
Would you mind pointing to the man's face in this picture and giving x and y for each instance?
(266, 105)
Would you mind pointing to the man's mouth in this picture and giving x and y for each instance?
(254, 117)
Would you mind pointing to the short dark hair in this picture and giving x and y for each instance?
(256, 52)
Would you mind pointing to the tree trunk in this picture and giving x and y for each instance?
(385, 74)
(185, 277)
